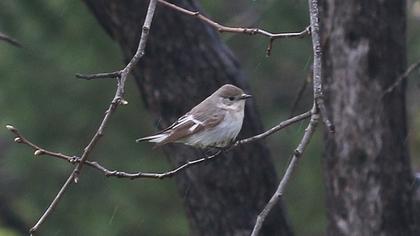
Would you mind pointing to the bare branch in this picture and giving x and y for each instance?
(317, 111)
(37, 149)
(300, 92)
(290, 168)
(243, 30)
(316, 45)
(53, 204)
(164, 174)
(10, 40)
(275, 128)
(111, 75)
(400, 78)
(117, 100)
(120, 174)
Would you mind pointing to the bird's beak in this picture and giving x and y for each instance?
(245, 96)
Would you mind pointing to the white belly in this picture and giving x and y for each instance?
(221, 135)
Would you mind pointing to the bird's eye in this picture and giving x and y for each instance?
(231, 98)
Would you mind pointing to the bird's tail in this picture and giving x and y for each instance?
(154, 138)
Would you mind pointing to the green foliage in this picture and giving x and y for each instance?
(40, 95)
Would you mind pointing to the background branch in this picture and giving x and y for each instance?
(400, 78)
(6, 38)
(300, 92)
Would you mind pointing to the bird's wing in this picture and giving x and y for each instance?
(163, 134)
(190, 124)
(176, 123)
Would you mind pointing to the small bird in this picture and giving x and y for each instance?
(215, 122)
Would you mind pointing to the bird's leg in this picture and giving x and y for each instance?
(211, 151)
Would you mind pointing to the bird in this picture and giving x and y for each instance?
(214, 123)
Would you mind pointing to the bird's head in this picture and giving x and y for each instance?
(231, 97)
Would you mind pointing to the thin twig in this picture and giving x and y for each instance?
(53, 204)
(290, 168)
(166, 174)
(276, 128)
(316, 45)
(115, 74)
(300, 92)
(38, 151)
(10, 40)
(400, 78)
(117, 100)
(243, 30)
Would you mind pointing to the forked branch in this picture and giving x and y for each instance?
(243, 30)
(317, 52)
(116, 101)
(317, 111)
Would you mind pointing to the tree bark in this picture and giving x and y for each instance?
(367, 166)
(186, 61)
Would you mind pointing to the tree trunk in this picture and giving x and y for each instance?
(367, 166)
(186, 61)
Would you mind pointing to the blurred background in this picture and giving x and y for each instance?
(41, 97)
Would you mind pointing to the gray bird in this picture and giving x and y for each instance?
(215, 122)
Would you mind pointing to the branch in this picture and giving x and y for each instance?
(38, 151)
(276, 128)
(400, 78)
(291, 167)
(300, 92)
(316, 45)
(318, 110)
(10, 40)
(244, 30)
(117, 100)
(115, 74)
